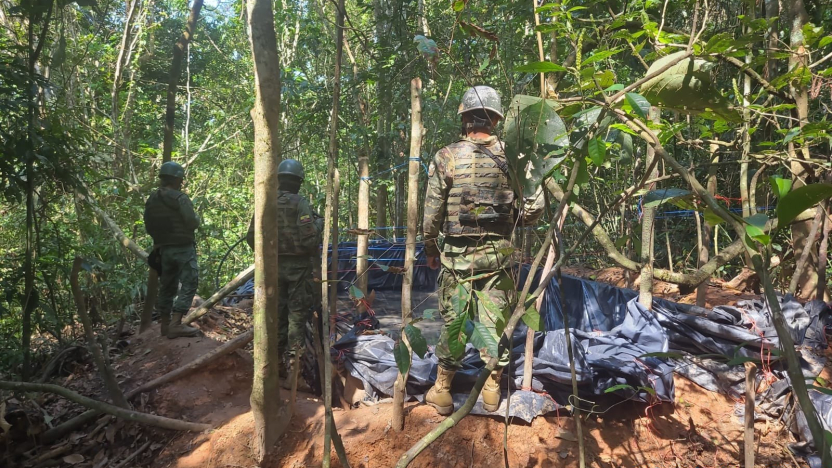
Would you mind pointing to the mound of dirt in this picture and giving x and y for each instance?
(702, 431)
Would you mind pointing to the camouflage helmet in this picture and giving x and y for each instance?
(172, 169)
(291, 167)
(481, 97)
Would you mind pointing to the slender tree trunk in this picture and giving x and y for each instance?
(330, 270)
(800, 231)
(647, 230)
(270, 417)
(176, 70)
(98, 357)
(410, 245)
(381, 210)
(702, 289)
(821, 294)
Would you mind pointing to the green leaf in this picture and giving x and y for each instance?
(688, 87)
(482, 339)
(780, 186)
(355, 292)
(597, 149)
(825, 42)
(540, 67)
(460, 299)
(648, 390)
(615, 87)
(639, 104)
(458, 5)
(457, 335)
(618, 387)
(429, 314)
(416, 340)
(755, 228)
(600, 56)
(532, 319)
(534, 133)
(382, 266)
(402, 355)
(799, 200)
(506, 283)
(666, 195)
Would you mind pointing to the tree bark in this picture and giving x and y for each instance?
(134, 416)
(648, 217)
(797, 15)
(229, 288)
(410, 243)
(92, 344)
(270, 416)
(176, 70)
(702, 290)
(821, 294)
(330, 271)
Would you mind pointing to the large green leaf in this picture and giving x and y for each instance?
(687, 87)
(533, 135)
(402, 356)
(460, 299)
(799, 200)
(755, 228)
(540, 67)
(493, 309)
(639, 103)
(482, 339)
(666, 195)
(532, 319)
(597, 150)
(780, 185)
(457, 335)
(416, 340)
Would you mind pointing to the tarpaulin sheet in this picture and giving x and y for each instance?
(384, 254)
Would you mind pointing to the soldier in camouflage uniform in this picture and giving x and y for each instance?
(299, 235)
(471, 200)
(170, 220)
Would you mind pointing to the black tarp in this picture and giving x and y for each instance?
(384, 254)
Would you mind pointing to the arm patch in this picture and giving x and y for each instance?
(305, 219)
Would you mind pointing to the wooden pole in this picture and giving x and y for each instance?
(410, 245)
(750, 391)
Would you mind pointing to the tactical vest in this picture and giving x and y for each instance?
(289, 239)
(481, 201)
(164, 221)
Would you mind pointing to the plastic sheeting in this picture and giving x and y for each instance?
(384, 254)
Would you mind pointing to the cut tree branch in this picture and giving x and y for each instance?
(232, 286)
(135, 416)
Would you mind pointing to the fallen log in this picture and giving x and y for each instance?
(232, 286)
(135, 416)
(226, 348)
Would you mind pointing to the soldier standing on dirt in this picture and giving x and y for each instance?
(299, 234)
(170, 220)
(471, 200)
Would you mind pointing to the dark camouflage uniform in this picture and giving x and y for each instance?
(297, 246)
(471, 201)
(170, 220)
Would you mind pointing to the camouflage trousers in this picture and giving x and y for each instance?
(296, 298)
(476, 259)
(178, 267)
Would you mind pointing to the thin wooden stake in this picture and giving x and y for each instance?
(750, 390)
(399, 390)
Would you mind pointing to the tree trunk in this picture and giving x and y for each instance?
(821, 294)
(270, 417)
(702, 290)
(648, 217)
(410, 245)
(106, 372)
(330, 270)
(800, 231)
(149, 299)
(176, 70)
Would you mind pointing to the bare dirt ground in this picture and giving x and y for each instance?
(700, 430)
